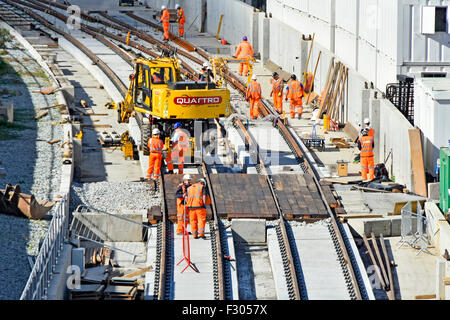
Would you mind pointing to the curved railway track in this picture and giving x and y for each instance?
(294, 280)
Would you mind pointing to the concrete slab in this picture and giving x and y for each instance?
(151, 261)
(276, 263)
(191, 285)
(321, 270)
(249, 230)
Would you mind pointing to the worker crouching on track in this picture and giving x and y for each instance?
(366, 145)
(182, 210)
(165, 19)
(295, 92)
(277, 92)
(156, 147)
(244, 51)
(181, 20)
(253, 96)
(197, 199)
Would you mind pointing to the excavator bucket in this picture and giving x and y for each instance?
(19, 204)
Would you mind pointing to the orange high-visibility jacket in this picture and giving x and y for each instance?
(195, 195)
(367, 146)
(155, 145)
(180, 15)
(244, 50)
(295, 90)
(182, 141)
(254, 90)
(181, 192)
(276, 84)
(165, 17)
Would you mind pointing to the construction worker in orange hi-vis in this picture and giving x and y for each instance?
(165, 19)
(181, 195)
(366, 145)
(277, 92)
(180, 145)
(244, 51)
(181, 20)
(295, 92)
(156, 147)
(253, 96)
(197, 199)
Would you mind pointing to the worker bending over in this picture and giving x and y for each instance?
(295, 92)
(253, 96)
(206, 73)
(244, 51)
(181, 20)
(197, 199)
(180, 146)
(182, 210)
(156, 147)
(277, 92)
(165, 19)
(366, 145)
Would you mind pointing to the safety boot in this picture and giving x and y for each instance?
(170, 172)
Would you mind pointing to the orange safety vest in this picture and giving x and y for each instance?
(244, 50)
(182, 139)
(155, 145)
(181, 17)
(276, 84)
(254, 90)
(295, 90)
(156, 79)
(366, 146)
(371, 132)
(183, 193)
(195, 196)
(165, 17)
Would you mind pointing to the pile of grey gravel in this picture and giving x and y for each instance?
(113, 197)
(30, 162)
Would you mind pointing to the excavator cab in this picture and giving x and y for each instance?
(159, 97)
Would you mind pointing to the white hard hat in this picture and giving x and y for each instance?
(202, 181)
(177, 6)
(205, 64)
(156, 131)
(187, 177)
(366, 120)
(254, 77)
(163, 7)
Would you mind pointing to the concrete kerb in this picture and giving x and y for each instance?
(58, 280)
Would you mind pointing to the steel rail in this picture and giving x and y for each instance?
(219, 253)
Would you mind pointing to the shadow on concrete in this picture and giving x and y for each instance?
(298, 265)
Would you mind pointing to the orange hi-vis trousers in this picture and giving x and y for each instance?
(166, 30)
(197, 219)
(254, 108)
(180, 29)
(154, 166)
(367, 164)
(182, 217)
(169, 160)
(243, 69)
(278, 100)
(296, 107)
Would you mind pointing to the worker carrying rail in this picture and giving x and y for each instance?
(182, 210)
(156, 146)
(181, 20)
(206, 74)
(165, 19)
(366, 145)
(295, 92)
(197, 199)
(244, 51)
(253, 96)
(277, 92)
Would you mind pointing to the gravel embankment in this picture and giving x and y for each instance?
(29, 161)
(113, 197)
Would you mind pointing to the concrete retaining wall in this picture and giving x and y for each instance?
(438, 228)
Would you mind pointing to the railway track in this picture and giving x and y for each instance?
(164, 270)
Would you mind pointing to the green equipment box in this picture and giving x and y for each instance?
(444, 174)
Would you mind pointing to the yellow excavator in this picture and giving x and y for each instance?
(158, 97)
